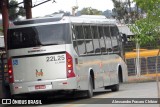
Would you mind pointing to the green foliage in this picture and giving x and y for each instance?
(15, 11)
(123, 11)
(148, 5)
(119, 10)
(147, 30)
(1, 29)
(90, 11)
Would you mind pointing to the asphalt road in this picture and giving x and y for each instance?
(132, 90)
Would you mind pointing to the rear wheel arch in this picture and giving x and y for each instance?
(89, 91)
(91, 74)
(120, 74)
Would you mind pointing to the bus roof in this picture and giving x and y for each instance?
(94, 19)
(125, 29)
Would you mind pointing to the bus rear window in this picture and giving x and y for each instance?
(44, 35)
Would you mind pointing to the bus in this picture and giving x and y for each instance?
(65, 53)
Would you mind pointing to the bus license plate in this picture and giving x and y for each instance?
(37, 87)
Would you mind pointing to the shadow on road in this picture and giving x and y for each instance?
(50, 98)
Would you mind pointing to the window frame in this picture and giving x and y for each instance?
(91, 27)
(109, 52)
(88, 25)
(118, 48)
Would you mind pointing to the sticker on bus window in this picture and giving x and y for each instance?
(15, 62)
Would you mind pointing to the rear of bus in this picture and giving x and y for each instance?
(40, 58)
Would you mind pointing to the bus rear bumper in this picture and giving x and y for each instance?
(43, 86)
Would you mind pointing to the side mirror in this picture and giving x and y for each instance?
(124, 37)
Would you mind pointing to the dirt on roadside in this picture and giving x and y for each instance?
(143, 78)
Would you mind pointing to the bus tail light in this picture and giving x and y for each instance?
(10, 71)
(69, 62)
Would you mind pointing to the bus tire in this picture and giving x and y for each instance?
(115, 88)
(89, 92)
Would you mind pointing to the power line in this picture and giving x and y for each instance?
(43, 3)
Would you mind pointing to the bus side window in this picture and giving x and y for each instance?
(88, 39)
(101, 38)
(79, 32)
(96, 42)
(80, 40)
(108, 39)
(74, 33)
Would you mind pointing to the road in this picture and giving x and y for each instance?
(132, 90)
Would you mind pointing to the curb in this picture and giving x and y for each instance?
(135, 79)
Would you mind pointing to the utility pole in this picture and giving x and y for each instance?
(74, 8)
(5, 18)
(28, 8)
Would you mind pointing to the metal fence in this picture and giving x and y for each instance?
(3, 68)
(4, 79)
(147, 65)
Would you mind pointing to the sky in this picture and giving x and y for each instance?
(66, 5)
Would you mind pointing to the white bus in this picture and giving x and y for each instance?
(65, 54)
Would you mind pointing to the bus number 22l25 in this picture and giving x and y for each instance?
(55, 58)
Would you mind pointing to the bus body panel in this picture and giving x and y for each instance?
(84, 66)
(38, 70)
(124, 71)
(50, 85)
(46, 67)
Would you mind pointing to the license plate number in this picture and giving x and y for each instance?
(37, 87)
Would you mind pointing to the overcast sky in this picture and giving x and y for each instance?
(66, 5)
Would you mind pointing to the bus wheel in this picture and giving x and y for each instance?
(89, 92)
(115, 88)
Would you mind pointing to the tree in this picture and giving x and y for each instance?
(123, 11)
(90, 11)
(14, 10)
(107, 13)
(119, 10)
(60, 12)
(147, 30)
(65, 13)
